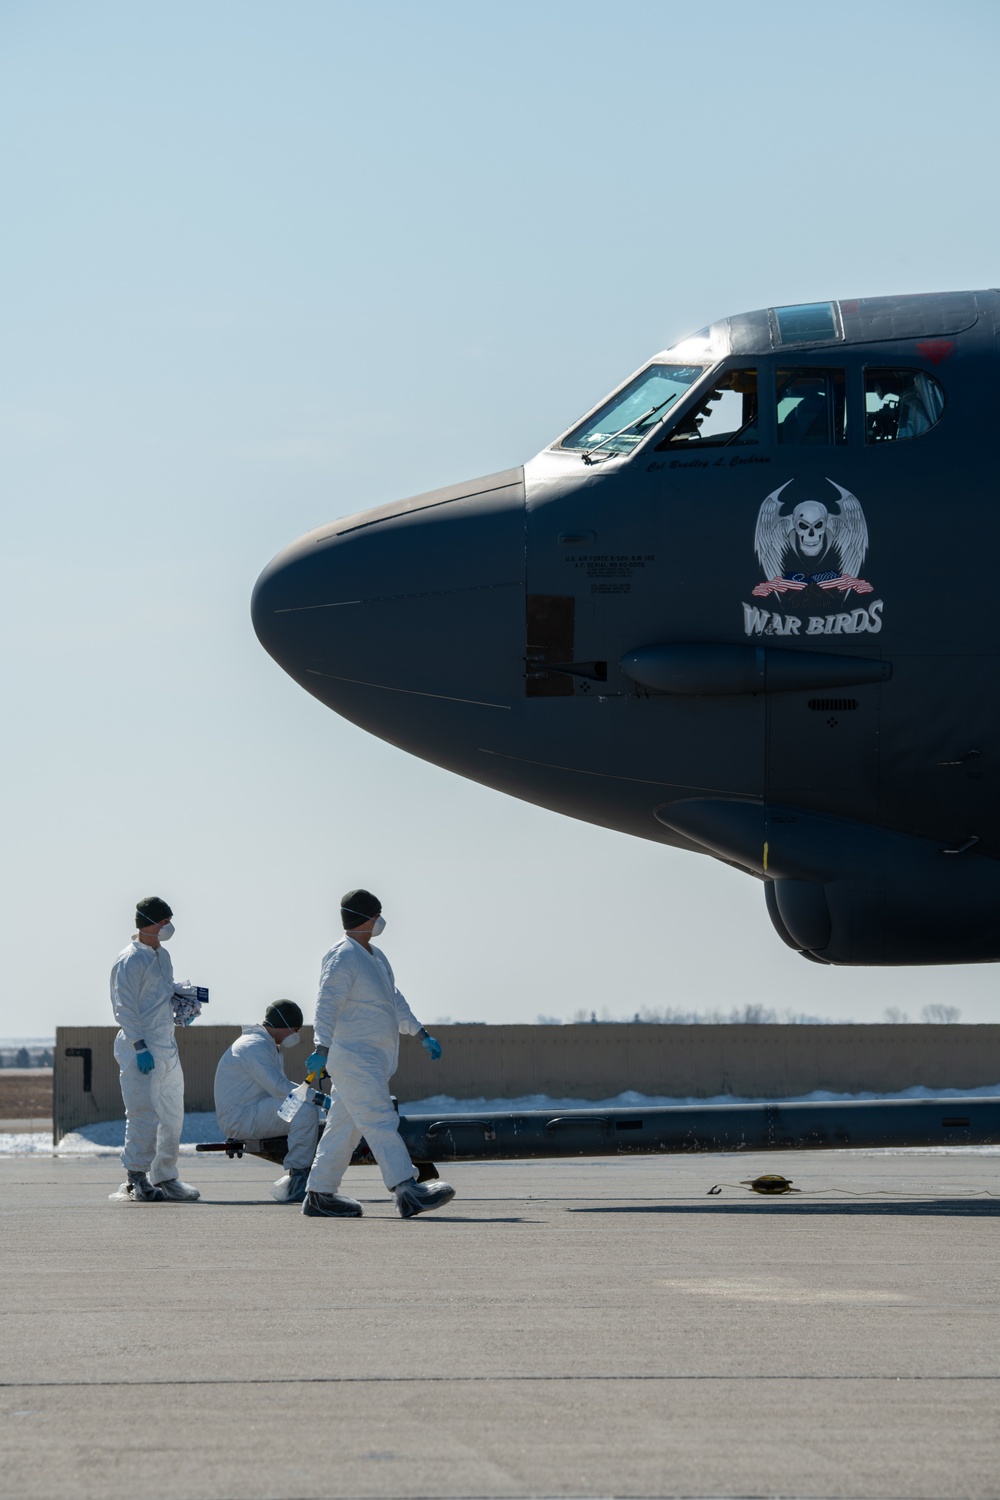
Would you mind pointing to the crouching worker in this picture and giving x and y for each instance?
(250, 1085)
(142, 995)
(359, 1016)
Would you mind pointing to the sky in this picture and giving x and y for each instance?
(265, 265)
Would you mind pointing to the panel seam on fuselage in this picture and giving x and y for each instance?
(413, 692)
(682, 786)
(475, 588)
(433, 505)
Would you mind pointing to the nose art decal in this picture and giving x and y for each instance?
(808, 554)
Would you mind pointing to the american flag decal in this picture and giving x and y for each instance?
(843, 583)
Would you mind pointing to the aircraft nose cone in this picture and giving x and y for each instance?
(419, 600)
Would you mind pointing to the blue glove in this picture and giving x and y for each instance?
(145, 1060)
(432, 1046)
(315, 1063)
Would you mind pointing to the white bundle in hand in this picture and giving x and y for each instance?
(187, 1001)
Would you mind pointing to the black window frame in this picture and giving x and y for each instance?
(697, 394)
(820, 367)
(866, 369)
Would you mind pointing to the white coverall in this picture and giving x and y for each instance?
(359, 1015)
(142, 986)
(250, 1083)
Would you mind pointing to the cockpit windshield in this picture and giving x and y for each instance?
(631, 415)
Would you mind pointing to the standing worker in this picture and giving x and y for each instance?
(359, 1015)
(142, 988)
(250, 1083)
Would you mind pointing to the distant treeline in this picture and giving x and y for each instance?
(747, 1015)
(31, 1056)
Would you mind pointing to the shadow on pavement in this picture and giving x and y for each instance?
(293, 1209)
(988, 1208)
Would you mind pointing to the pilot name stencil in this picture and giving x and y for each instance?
(727, 461)
(811, 557)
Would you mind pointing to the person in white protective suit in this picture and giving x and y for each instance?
(250, 1084)
(142, 988)
(359, 1016)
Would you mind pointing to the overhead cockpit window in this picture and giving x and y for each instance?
(812, 406)
(808, 323)
(630, 416)
(726, 415)
(900, 404)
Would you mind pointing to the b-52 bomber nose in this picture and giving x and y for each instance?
(408, 619)
(726, 610)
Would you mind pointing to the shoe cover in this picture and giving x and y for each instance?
(414, 1197)
(291, 1188)
(331, 1206)
(141, 1191)
(177, 1191)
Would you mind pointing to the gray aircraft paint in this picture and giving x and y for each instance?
(662, 641)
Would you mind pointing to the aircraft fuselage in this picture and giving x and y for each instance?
(741, 608)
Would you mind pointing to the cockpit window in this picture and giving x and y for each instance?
(807, 323)
(728, 414)
(900, 404)
(812, 406)
(630, 416)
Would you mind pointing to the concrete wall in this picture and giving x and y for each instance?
(588, 1062)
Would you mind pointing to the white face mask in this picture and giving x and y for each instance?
(289, 1042)
(379, 927)
(166, 932)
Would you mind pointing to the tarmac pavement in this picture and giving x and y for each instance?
(580, 1328)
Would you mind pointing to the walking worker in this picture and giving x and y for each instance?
(142, 988)
(250, 1084)
(359, 1016)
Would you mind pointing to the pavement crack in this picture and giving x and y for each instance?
(21, 1385)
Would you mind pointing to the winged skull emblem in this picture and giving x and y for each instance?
(808, 537)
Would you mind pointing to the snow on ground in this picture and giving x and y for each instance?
(442, 1104)
(107, 1138)
(29, 1143)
